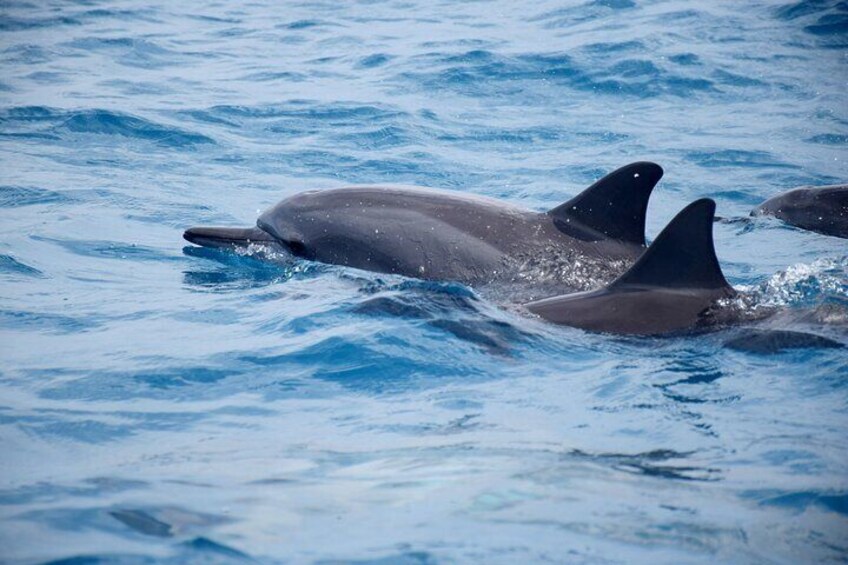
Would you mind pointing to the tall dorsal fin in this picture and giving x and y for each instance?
(614, 206)
(682, 256)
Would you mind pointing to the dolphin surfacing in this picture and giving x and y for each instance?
(822, 209)
(443, 235)
(672, 288)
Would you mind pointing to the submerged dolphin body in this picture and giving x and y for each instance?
(442, 235)
(822, 209)
(676, 286)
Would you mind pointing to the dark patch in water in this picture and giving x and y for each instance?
(45, 322)
(650, 464)
(206, 545)
(685, 59)
(169, 378)
(142, 522)
(111, 123)
(766, 342)
(108, 559)
(9, 23)
(493, 336)
(286, 76)
(10, 265)
(301, 24)
(375, 60)
(732, 79)
(408, 558)
(109, 249)
(614, 47)
(829, 139)
(799, 501)
(831, 24)
(803, 8)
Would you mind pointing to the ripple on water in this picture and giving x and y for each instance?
(88, 488)
(15, 196)
(38, 121)
(827, 21)
(486, 73)
(11, 266)
(572, 15)
(798, 501)
(829, 139)
(375, 60)
(658, 463)
(133, 52)
(46, 322)
(18, 24)
(737, 158)
(110, 250)
(188, 534)
(175, 382)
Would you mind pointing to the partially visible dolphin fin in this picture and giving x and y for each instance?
(682, 256)
(614, 206)
(671, 288)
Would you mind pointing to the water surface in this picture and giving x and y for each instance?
(173, 405)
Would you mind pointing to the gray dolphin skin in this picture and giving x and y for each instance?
(228, 237)
(822, 209)
(442, 235)
(672, 288)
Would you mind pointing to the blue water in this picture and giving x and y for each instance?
(162, 404)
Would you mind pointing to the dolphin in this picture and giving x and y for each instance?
(822, 209)
(449, 236)
(676, 286)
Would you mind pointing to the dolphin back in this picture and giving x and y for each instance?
(822, 209)
(671, 288)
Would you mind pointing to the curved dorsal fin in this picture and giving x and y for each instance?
(614, 206)
(682, 256)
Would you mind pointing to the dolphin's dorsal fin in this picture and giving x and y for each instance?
(682, 256)
(614, 206)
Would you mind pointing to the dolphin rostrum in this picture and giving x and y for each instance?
(442, 235)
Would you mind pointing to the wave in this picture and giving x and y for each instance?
(38, 121)
(12, 24)
(805, 284)
(134, 52)
(11, 266)
(108, 249)
(482, 72)
(44, 322)
(17, 196)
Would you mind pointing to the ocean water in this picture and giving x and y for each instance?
(161, 403)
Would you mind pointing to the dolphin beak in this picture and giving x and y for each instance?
(226, 237)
